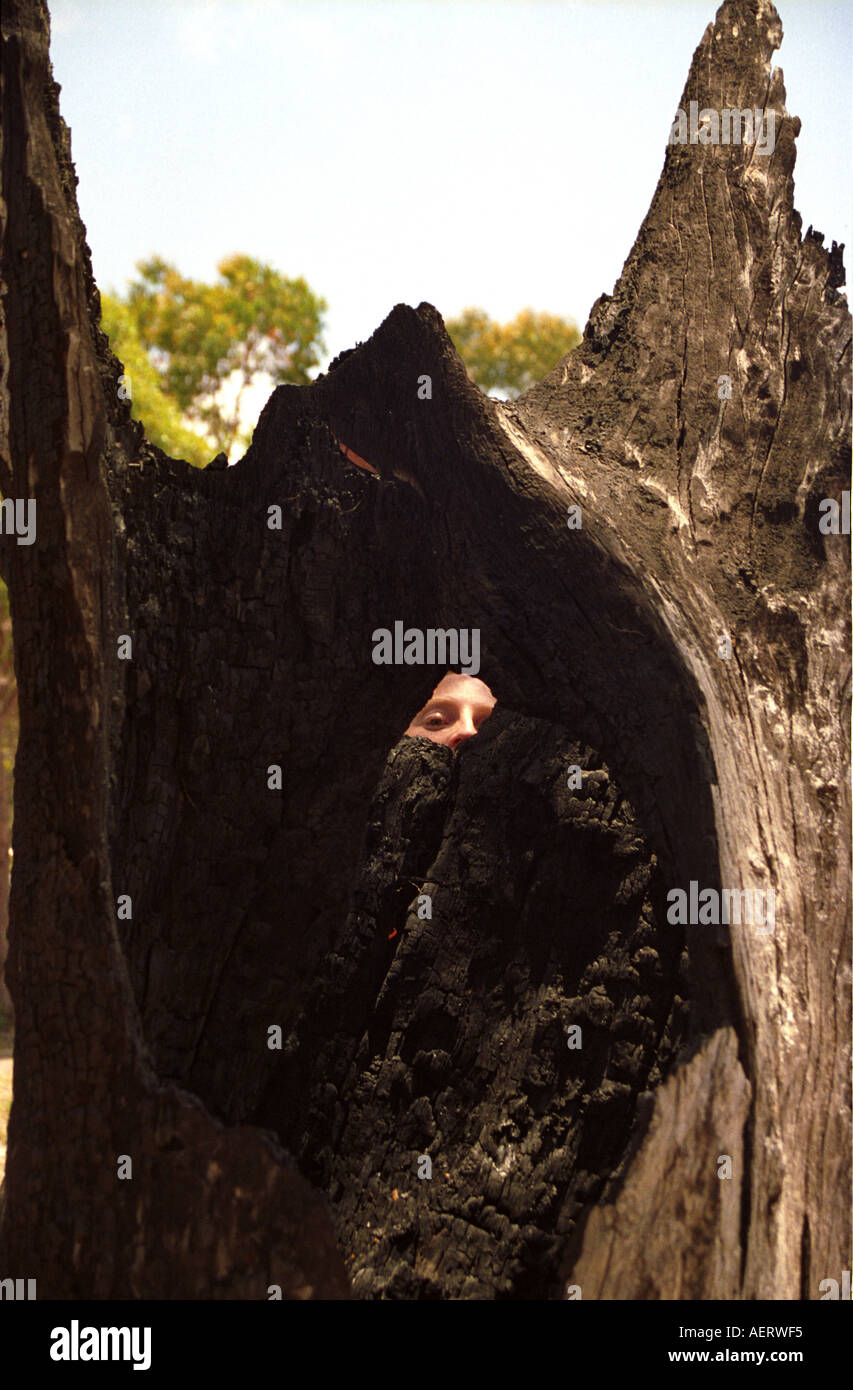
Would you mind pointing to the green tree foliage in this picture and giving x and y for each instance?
(162, 418)
(199, 336)
(511, 357)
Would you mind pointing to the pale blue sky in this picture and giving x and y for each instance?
(458, 151)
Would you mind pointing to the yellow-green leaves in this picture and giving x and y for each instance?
(201, 337)
(511, 357)
(142, 384)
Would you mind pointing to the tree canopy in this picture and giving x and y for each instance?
(511, 357)
(199, 336)
(183, 340)
(151, 403)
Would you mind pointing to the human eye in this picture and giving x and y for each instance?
(433, 719)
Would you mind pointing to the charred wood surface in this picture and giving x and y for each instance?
(255, 906)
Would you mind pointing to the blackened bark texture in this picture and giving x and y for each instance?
(202, 1211)
(256, 907)
(501, 997)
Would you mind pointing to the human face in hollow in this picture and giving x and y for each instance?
(455, 710)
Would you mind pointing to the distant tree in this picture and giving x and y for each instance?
(164, 422)
(199, 336)
(511, 357)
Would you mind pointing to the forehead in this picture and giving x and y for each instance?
(466, 689)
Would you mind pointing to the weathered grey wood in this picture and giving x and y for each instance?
(679, 1181)
(715, 506)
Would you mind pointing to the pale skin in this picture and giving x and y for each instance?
(455, 710)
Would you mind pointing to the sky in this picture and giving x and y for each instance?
(463, 152)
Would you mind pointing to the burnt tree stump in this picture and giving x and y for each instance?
(688, 648)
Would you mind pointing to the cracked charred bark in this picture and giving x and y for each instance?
(252, 647)
(496, 910)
